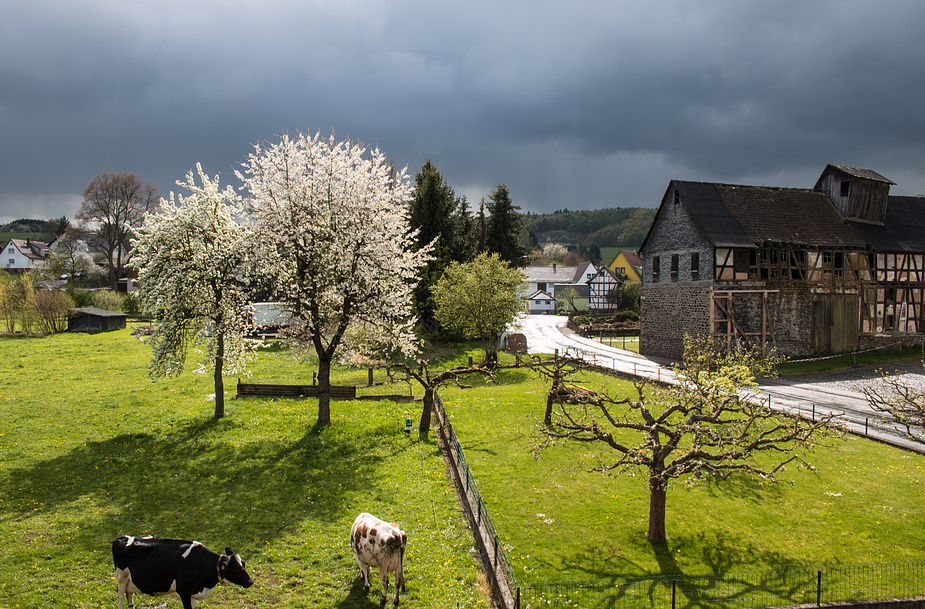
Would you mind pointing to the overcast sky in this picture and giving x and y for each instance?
(574, 104)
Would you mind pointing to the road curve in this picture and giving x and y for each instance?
(548, 333)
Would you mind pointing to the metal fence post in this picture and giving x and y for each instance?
(674, 583)
(818, 588)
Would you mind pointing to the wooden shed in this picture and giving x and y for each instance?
(95, 320)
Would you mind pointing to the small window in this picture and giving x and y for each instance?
(845, 188)
(655, 268)
(674, 267)
(695, 265)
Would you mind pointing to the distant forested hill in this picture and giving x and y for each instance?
(623, 227)
(25, 225)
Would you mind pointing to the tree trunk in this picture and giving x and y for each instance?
(550, 399)
(424, 427)
(324, 392)
(657, 498)
(219, 381)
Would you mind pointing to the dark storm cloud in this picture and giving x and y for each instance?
(578, 105)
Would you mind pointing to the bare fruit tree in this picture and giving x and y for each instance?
(707, 426)
(901, 399)
(114, 206)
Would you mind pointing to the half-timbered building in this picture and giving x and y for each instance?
(820, 270)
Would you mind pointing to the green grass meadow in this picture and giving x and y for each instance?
(865, 504)
(90, 449)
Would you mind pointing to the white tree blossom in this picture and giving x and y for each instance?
(332, 232)
(191, 255)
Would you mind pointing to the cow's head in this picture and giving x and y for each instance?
(231, 567)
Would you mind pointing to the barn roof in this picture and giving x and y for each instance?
(748, 216)
(705, 203)
(903, 230)
(797, 216)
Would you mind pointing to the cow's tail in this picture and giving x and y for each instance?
(401, 564)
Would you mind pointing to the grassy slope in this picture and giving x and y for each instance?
(863, 506)
(90, 449)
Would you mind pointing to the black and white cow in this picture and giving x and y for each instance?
(159, 566)
(379, 544)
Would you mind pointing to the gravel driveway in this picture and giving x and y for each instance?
(910, 372)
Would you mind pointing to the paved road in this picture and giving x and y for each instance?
(546, 333)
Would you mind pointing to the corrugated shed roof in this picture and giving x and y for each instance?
(797, 216)
(98, 312)
(903, 230)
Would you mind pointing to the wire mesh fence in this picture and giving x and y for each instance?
(741, 590)
(494, 556)
(744, 589)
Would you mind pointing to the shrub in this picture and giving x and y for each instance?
(52, 307)
(626, 316)
(80, 298)
(131, 304)
(107, 300)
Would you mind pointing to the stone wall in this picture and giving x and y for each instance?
(668, 313)
(674, 304)
(789, 327)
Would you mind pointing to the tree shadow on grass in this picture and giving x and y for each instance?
(735, 569)
(190, 482)
(745, 487)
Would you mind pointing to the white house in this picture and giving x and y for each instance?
(551, 281)
(541, 303)
(24, 254)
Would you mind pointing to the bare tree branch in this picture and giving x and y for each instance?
(705, 426)
(903, 401)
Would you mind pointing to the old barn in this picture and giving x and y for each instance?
(820, 270)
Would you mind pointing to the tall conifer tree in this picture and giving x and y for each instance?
(503, 227)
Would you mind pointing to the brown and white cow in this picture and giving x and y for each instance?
(379, 544)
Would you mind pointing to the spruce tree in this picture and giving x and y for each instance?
(503, 227)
